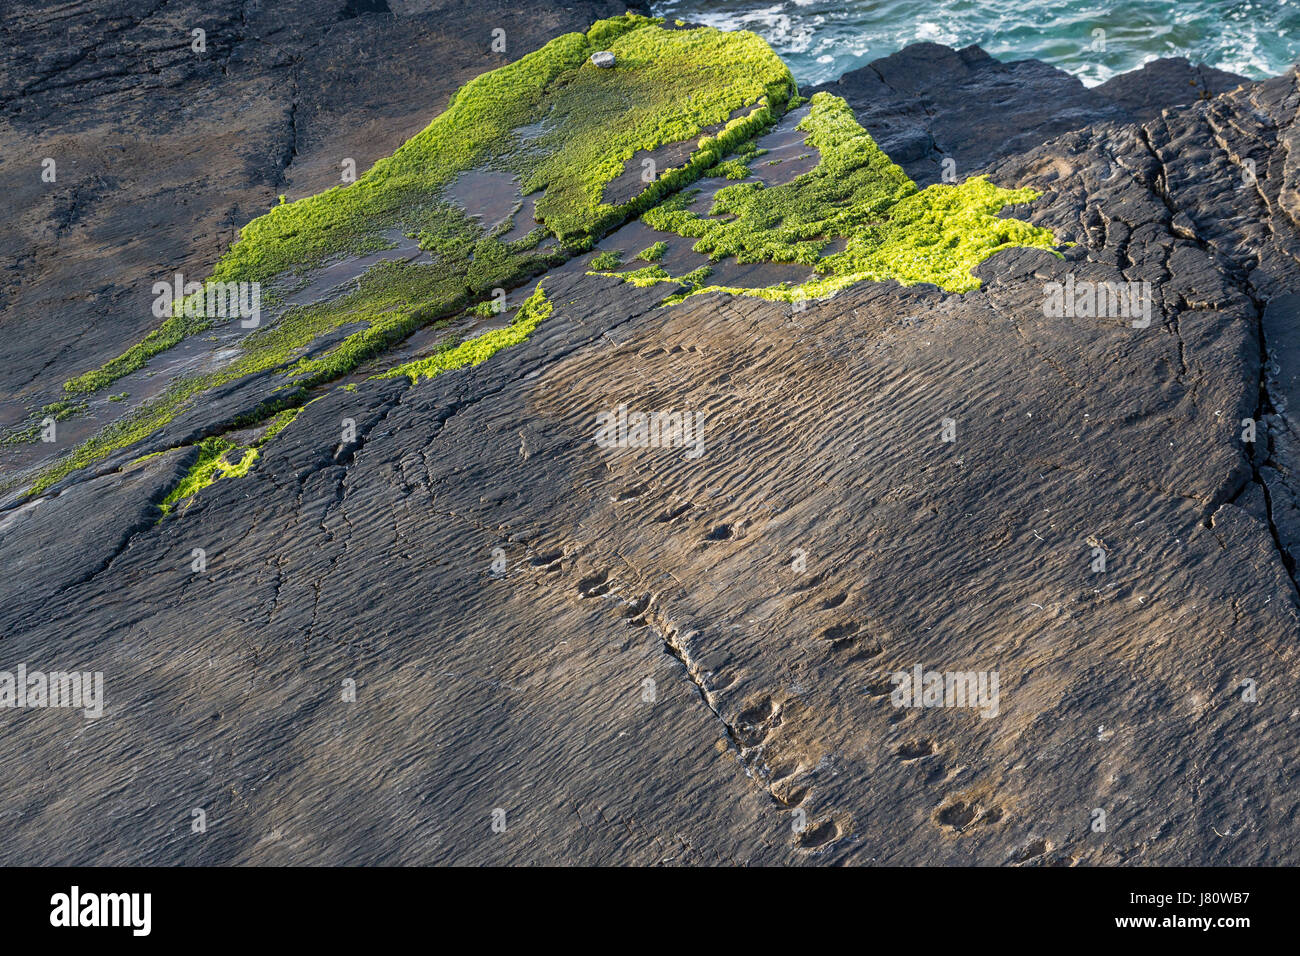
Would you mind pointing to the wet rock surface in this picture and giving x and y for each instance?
(163, 152)
(649, 656)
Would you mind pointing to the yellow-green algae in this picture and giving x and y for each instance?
(893, 229)
(567, 129)
(669, 85)
(535, 310)
(30, 431)
(653, 253)
(729, 168)
(215, 460)
(211, 465)
(656, 274)
(607, 260)
(562, 126)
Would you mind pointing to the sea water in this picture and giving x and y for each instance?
(823, 39)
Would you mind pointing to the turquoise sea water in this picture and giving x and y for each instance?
(822, 39)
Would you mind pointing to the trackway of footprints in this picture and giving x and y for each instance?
(753, 729)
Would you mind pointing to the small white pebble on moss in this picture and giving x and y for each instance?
(604, 59)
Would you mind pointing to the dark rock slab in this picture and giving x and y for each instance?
(1169, 81)
(645, 656)
(929, 103)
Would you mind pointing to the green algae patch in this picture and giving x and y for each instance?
(535, 310)
(641, 278)
(171, 332)
(607, 260)
(551, 120)
(668, 87)
(135, 426)
(30, 431)
(566, 130)
(565, 127)
(278, 423)
(655, 274)
(220, 457)
(892, 229)
(653, 253)
(211, 465)
(729, 168)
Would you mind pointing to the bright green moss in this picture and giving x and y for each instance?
(390, 301)
(566, 129)
(604, 32)
(214, 462)
(697, 277)
(479, 349)
(240, 468)
(126, 431)
(656, 274)
(279, 422)
(893, 230)
(648, 276)
(171, 331)
(144, 458)
(405, 188)
(690, 283)
(653, 253)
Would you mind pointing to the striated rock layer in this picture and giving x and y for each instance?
(644, 656)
